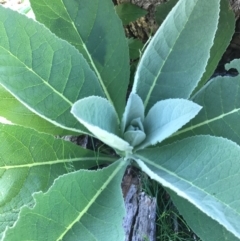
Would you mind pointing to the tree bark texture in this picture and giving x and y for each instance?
(140, 220)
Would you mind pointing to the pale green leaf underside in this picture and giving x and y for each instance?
(76, 207)
(165, 118)
(201, 224)
(204, 170)
(100, 118)
(95, 30)
(176, 57)
(42, 71)
(30, 161)
(220, 114)
(18, 114)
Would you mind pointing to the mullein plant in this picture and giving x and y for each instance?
(68, 73)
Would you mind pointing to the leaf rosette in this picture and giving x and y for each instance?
(135, 131)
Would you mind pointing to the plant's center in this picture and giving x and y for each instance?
(134, 133)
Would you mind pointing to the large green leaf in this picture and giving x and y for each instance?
(95, 30)
(176, 57)
(30, 161)
(17, 113)
(202, 225)
(82, 205)
(42, 71)
(165, 118)
(225, 30)
(220, 114)
(100, 118)
(204, 170)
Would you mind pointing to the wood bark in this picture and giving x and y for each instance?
(140, 220)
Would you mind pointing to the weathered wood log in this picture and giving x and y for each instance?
(140, 220)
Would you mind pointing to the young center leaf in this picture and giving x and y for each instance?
(132, 121)
(165, 118)
(30, 161)
(134, 109)
(43, 72)
(202, 169)
(94, 28)
(100, 118)
(84, 205)
(167, 68)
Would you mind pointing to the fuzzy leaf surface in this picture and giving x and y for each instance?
(220, 114)
(30, 161)
(43, 72)
(176, 58)
(200, 223)
(165, 118)
(204, 170)
(134, 109)
(87, 212)
(94, 28)
(100, 118)
(225, 30)
(18, 114)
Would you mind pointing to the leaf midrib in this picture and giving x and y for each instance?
(31, 70)
(184, 195)
(165, 61)
(92, 201)
(58, 161)
(191, 128)
(90, 57)
(48, 85)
